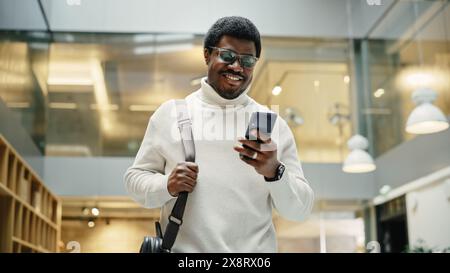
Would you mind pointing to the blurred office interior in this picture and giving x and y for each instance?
(79, 80)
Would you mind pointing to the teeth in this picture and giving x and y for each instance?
(231, 77)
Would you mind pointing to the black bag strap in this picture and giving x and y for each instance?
(187, 139)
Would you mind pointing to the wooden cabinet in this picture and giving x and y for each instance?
(30, 215)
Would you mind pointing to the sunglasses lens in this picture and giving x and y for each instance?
(227, 56)
(248, 61)
(230, 57)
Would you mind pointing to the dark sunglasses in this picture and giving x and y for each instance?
(229, 56)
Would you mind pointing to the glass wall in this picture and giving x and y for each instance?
(104, 88)
(315, 93)
(96, 92)
(409, 49)
(23, 74)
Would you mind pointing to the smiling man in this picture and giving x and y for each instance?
(235, 183)
(228, 79)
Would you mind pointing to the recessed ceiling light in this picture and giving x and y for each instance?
(91, 224)
(378, 93)
(346, 78)
(95, 211)
(277, 90)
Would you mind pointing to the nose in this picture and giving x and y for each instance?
(236, 66)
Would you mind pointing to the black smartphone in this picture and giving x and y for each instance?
(262, 121)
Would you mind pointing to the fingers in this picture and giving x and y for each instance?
(184, 187)
(192, 166)
(249, 161)
(183, 178)
(247, 155)
(250, 144)
(268, 146)
(190, 174)
(248, 152)
(181, 184)
(187, 167)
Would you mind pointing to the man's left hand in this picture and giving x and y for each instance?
(262, 156)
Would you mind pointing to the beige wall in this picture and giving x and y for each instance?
(126, 235)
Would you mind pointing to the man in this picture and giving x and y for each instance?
(233, 188)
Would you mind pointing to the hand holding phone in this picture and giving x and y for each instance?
(261, 153)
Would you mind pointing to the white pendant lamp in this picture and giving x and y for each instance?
(426, 118)
(358, 161)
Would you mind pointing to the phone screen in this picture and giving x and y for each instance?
(262, 121)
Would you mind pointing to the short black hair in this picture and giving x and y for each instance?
(234, 26)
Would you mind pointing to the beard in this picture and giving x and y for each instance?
(229, 95)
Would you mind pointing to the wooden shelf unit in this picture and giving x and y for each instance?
(30, 215)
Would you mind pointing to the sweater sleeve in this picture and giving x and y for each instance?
(291, 196)
(145, 180)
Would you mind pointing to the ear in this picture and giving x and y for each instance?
(206, 55)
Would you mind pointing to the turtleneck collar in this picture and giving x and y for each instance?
(210, 96)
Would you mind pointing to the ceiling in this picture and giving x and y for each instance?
(292, 19)
(392, 19)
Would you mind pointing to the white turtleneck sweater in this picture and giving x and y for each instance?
(230, 209)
